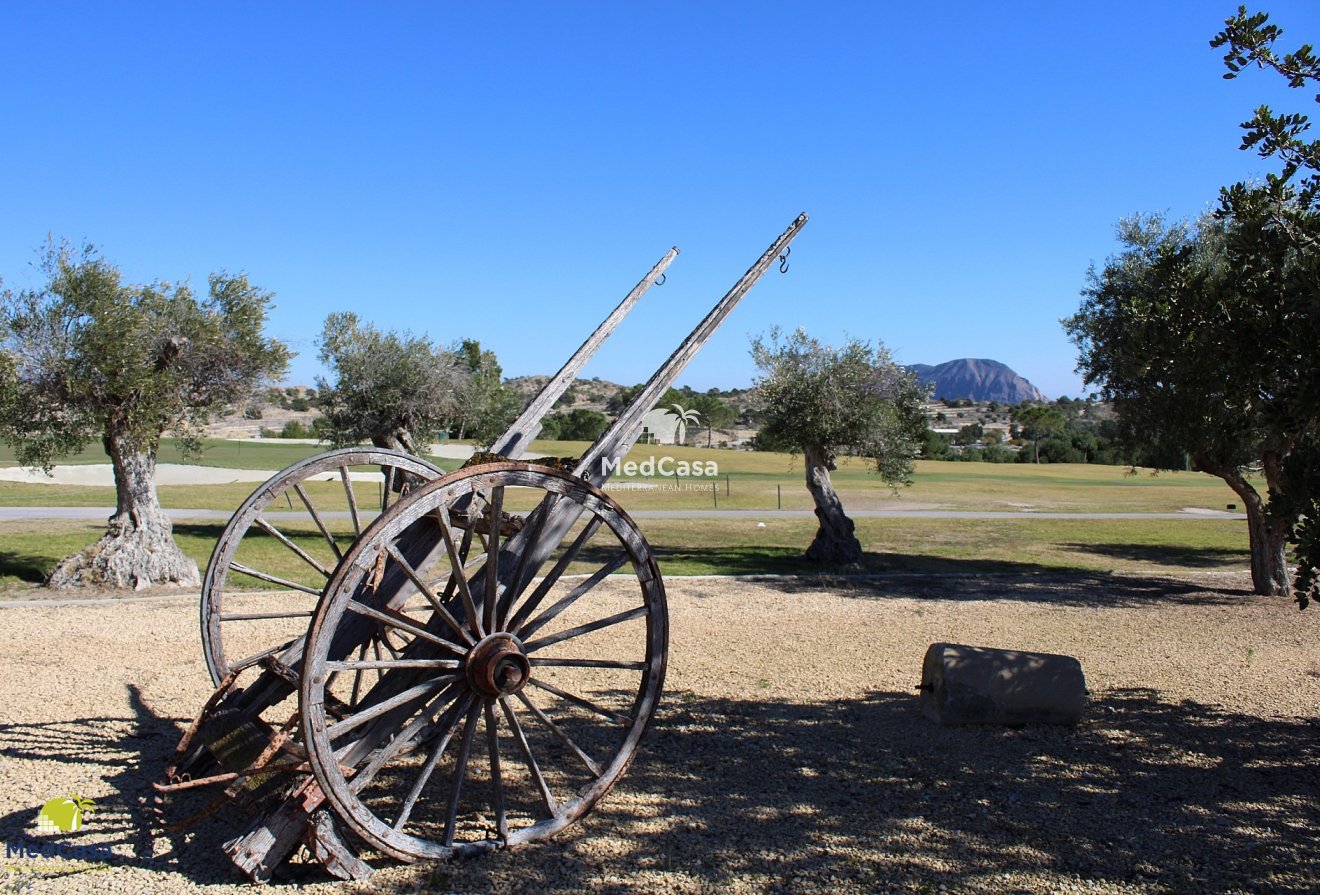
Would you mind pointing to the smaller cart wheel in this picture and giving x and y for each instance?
(522, 700)
(278, 550)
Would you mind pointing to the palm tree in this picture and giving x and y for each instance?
(684, 417)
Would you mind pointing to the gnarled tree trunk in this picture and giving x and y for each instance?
(835, 543)
(397, 440)
(138, 550)
(1268, 536)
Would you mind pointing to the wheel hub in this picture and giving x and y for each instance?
(497, 666)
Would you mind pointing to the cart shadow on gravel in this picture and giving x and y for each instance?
(867, 795)
(128, 755)
(860, 795)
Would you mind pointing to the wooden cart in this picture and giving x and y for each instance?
(474, 661)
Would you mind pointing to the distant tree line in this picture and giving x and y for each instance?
(1069, 430)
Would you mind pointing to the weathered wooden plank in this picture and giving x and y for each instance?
(527, 426)
(269, 839)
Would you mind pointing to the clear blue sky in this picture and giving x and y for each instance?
(507, 171)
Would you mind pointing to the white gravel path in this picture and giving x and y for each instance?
(788, 755)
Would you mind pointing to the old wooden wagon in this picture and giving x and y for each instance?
(468, 663)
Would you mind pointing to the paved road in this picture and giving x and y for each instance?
(101, 513)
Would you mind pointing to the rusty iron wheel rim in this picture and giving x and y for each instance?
(283, 492)
(531, 773)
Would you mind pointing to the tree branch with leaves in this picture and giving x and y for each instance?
(395, 390)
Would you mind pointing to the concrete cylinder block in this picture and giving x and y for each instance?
(979, 685)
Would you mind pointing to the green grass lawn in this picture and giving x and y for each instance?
(746, 480)
(30, 549)
(759, 481)
(738, 547)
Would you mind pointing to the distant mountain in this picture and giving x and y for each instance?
(977, 378)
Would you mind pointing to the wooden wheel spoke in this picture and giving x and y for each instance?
(460, 771)
(496, 778)
(403, 623)
(488, 604)
(430, 595)
(384, 638)
(404, 741)
(390, 473)
(465, 547)
(253, 659)
(357, 678)
(316, 517)
(516, 584)
(257, 616)
(560, 735)
(587, 628)
(428, 769)
(273, 579)
(581, 701)
(589, 663)
(386, 664)
(617, 562)
(352, 501)
(548, 582)
(457, 577)
(298, 551)
(412, 694)
(547, 797)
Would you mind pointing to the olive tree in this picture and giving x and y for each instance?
(1202, 336)
(827, 401)
(87, 356)
(395, 390)
(1287, 203)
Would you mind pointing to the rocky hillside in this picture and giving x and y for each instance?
(978, 379)
(594, 394)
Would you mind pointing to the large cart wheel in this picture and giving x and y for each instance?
(279, 549)
(522, 700)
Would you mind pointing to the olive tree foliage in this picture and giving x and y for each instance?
(394, 390)
(827, 401)
(485, 408)
(87, 357)
(1288, 204)
(1248, 41)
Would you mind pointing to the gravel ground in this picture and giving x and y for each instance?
(788, 754)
